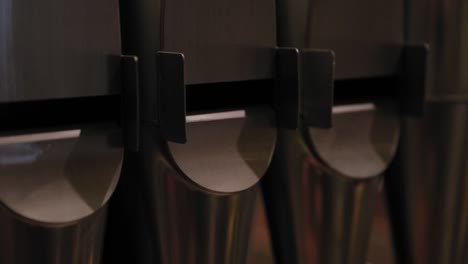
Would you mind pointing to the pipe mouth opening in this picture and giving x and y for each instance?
(227, 151)
(58, 177)
(362, 141)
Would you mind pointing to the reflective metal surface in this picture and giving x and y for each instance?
(58, 49)
(54, 187)
(260, 249)
(380, 243)
(427, 187)
(321, 188)
(366, 35)
(222, 40)
(444, 25)
(192, 203)
(381, 249)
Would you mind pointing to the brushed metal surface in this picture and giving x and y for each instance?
(191, 204)
(58, 49)
(366, 35)
(444, 25)
(322, 185)
(54, 189)
(260, 249)
(426, 190)
(381, 250)
(380, 244)
(222, 41)
(427, 187)
(23, 242)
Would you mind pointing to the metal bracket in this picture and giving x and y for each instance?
(318, 77)
(171, 96)
(304, 85)
(130, 103)
(412, 79)
(171, 99)
(304, 80)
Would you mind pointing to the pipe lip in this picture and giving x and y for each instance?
(226, 152)
(60, 177)
(362, 142)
